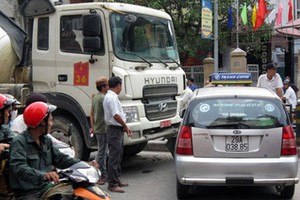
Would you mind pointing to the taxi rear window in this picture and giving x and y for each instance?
(237, 113)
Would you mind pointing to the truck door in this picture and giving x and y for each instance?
(76, 69)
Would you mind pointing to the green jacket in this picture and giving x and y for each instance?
(97, 104)
(29, 162)
(5, 132)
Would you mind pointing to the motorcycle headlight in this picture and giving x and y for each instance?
(131, 113)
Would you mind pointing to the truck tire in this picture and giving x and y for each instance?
(60, 130)
(132, 150)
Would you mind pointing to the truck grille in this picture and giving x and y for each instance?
(151, 91)
(160, 102)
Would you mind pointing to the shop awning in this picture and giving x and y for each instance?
(291, 29)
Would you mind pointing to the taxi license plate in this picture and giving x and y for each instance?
(237, 144)
(164, 124)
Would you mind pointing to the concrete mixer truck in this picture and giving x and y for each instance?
(69, 46)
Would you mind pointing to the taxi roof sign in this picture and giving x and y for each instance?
(231, 78)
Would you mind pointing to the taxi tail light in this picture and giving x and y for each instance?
(289, 146)
(184, 143)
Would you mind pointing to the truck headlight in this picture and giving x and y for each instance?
(131, 113)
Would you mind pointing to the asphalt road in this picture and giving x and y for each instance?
(151, 175)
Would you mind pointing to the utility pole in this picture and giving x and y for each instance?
(216, 37)
(237, 23)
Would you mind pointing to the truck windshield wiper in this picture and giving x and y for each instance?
(178, 64)
(150, 64)
(165, 64)
(143, 59)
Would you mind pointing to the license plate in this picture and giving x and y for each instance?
(237, 144)
(165, 124)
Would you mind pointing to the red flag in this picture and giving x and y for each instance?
(290, 10)
(261, 12)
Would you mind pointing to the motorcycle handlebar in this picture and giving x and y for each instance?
(4, 154)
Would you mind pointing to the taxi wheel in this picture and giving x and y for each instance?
(182, 190)
(287, 192)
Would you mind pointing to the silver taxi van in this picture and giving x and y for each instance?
(236, 136)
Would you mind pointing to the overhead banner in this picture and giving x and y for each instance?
(206, 19)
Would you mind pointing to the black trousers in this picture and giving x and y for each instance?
(115, 141)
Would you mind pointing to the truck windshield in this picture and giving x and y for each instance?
(149, 37)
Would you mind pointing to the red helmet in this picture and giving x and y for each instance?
(36, 112)
(4, 101)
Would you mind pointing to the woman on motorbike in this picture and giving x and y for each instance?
(5, 108)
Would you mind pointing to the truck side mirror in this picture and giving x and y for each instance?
(92, 44)
(37, 7)
(91, 31)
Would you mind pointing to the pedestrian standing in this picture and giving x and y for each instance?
(98, 126)
(186, 98)
(271, 80)
(292, 85)
(115, 120)
(191, 85)
(289, 94)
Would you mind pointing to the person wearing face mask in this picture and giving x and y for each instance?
(33, 157)
(5, 108)
(14, 108)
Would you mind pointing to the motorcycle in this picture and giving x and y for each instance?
(5, 191)
(77, 182)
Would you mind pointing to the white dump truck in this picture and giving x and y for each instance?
(70, 46)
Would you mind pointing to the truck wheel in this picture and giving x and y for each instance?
(287, 192)
(182, 190)
(60, 130)
(132, 150)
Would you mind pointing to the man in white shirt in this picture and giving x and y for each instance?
(289, 94)
(115, 120)
(186, 98)
(271, 80)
